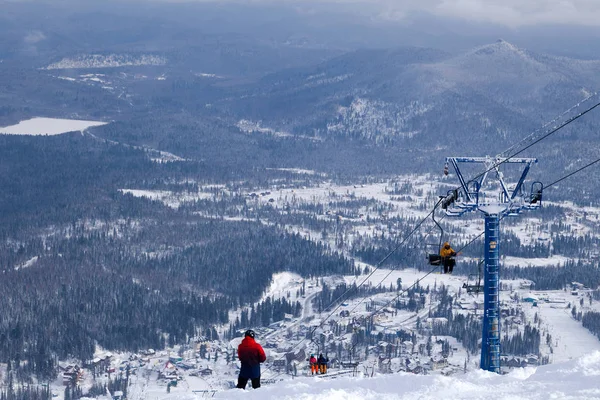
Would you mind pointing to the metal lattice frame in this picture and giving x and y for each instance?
(509, 203)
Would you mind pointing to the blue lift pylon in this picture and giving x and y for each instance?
(504, 203)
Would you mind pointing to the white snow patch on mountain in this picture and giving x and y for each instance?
(164, 156)
(206, 75)
(107, 61)
(325, 81)
(27, 263)
(48, 126)
(282, 283)
(248, 126)
(298, 171)
(555, 260)
(312, 77)
(170, 199)
(374, 119)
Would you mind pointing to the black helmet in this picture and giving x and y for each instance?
(250, 333)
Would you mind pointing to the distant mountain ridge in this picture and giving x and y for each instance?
(415, 97)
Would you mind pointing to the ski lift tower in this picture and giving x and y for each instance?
(509, 203)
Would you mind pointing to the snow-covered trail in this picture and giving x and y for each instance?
(574, 340)
(306, 312)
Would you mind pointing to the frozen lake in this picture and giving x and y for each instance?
(48, 126)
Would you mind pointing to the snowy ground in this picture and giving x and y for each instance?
(419, 195)
(570, 339)
(173, 200)
(282, 284)
(534, 262)
(48, 126)
(576, 379)
(573, 380)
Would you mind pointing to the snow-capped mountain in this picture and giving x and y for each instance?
(498, 91)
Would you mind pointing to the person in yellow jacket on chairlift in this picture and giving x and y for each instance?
(447, 253)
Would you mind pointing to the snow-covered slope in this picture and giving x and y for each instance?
(576, 379)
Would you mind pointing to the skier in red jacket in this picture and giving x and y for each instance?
(251, 355)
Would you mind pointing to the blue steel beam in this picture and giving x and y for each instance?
(501, 180)
(490, 339)
(494, 160)
(461, 179)
(521, 180)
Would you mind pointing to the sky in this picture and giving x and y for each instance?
(512, 13)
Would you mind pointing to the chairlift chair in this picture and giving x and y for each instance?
(535, 196)
(473, 283)
(471, 286)
(435, 259)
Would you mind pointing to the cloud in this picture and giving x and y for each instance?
(34, 37)
(523, 12)
(513, 13)
(30, 42)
